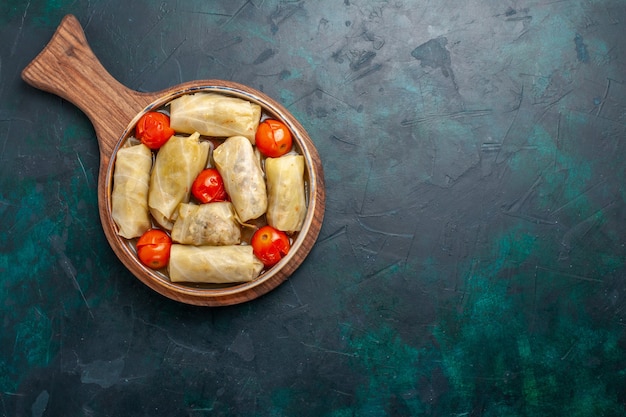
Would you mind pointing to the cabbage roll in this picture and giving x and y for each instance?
(212, 224)
(131, 181)
(213, 264)
(177, 164)
(286, 207)
(213, 114)
(243, 178)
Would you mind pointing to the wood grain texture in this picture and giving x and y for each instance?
(68, 68)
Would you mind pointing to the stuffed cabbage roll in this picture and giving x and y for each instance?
(177, 164)
(129, 199)
(212, 224)
(243, 178)
(214, 114)
(213, 264)
(285, 192)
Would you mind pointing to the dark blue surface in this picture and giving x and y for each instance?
(471, 261)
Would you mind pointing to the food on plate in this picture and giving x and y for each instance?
(212, 224)
(243, 177)
(273, 138)
(131, 181)
(177, 165)
(213, 189)
(285, 190)
(217, 115)
(209, 186)
(153, 129)
(270, 245)
(213, 264)
(153, 248)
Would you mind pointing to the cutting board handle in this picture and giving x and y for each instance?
(68, 68)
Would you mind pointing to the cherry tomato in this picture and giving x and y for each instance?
(153, 129)
(153, 248)
(209, 186)
(270, 245)
(273, 138)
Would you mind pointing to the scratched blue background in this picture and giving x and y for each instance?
(471, 262)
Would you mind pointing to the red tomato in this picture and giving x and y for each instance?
(209, 186)
(273, 138)
(153, 129)
(270, 245)
(153, 248)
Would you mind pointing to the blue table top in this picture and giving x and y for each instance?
(472, 256)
